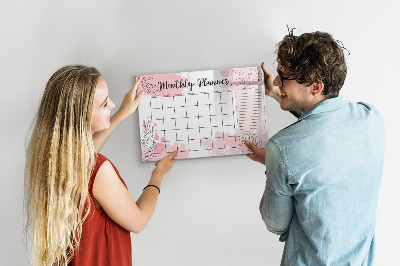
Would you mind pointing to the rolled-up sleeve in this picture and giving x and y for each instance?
(277, 209)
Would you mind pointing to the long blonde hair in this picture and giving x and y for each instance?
(59, 160)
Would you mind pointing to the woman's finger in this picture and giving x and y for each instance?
(139, 97)
(172, 154)
(136, 85)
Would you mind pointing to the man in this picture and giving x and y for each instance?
(323, 171)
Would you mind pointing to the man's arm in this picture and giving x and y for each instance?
(276, 211)
(274, 91)
(270, 89)
(276, 206)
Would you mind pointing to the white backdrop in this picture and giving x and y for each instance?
(208, 208)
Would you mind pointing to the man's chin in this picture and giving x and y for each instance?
(284, 107)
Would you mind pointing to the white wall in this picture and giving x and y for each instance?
(208, 208)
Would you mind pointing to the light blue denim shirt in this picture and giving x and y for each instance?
(323, 176)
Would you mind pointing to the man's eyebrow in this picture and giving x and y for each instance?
(283, 74)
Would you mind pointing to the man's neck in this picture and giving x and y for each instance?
(316, 100)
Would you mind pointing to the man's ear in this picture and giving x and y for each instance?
(317, 88)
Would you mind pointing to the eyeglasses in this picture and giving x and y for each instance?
(282, 78)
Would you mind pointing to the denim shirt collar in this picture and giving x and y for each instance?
(325, 106)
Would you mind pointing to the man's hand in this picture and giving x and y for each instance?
(258, 154)
(270, 89)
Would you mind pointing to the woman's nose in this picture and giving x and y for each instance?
(112, 105)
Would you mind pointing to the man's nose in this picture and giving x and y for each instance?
(277, 81)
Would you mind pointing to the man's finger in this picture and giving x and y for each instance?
(251, 156)
(251, 145)
(265, 69)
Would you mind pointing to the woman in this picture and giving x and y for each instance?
(78, 207)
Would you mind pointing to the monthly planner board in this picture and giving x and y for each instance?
(202, 113)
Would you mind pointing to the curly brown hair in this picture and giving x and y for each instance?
(314, 57)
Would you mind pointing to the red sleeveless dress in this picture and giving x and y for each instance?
(103, 241)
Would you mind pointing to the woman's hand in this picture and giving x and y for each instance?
(165, 164)
(270, 89)
(131, 101)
